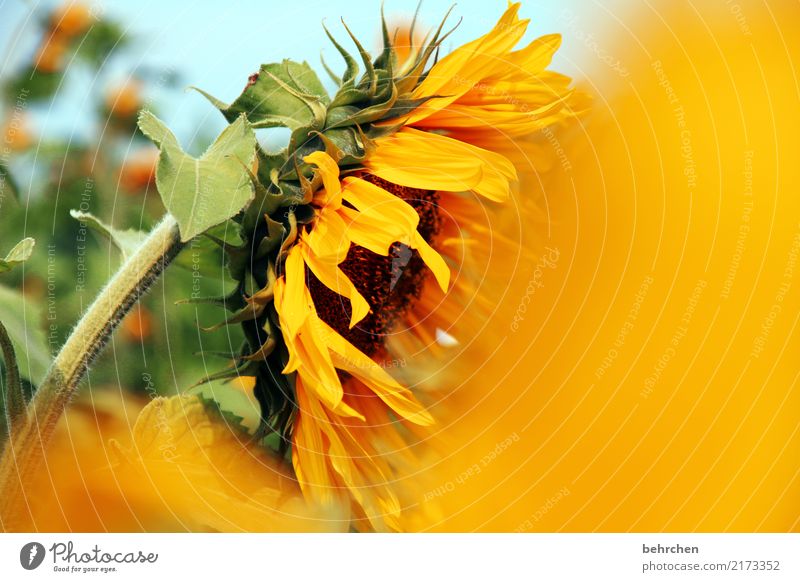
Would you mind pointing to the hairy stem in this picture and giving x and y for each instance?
(23, 453)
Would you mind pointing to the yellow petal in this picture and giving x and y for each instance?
(459, 71)
(293, 305)
(434, 261)
(370, 228)
(329, 170)
(400, 399)
(368, 231)
(334, 279)
(309, 453)
(536, 56)
(328, 237)
(420, 159)
(316, 367)
(374, 201)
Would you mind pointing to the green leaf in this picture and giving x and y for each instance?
(127, 241)
(286, 94)
(206, 191)
(232, 402)
(23, 319)
(19, 254)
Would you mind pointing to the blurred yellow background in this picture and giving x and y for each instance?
(651, 382)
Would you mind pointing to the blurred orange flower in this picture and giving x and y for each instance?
(71, 18)
(124, 100)
(138, 324)
(138, 170)
(51, 55)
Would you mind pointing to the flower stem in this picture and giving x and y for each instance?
(24, 450)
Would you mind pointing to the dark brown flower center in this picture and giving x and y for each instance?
(390, 284)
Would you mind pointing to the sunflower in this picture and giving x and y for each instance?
(364, 239)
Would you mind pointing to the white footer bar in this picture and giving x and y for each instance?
(415, 557)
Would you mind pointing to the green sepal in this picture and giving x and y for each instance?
(354, 115)
(240, 369)
(285, 94)
(232, 302)
(247, 313)
(333, 76)
(386, 59)
(352, 67)
(369, 78)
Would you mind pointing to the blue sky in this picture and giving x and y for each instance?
(216, 45)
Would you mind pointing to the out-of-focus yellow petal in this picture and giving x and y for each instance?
(179, 468)
(309, 455)
(348, 358)
(205, 470)
(433, 260)
(333, 460)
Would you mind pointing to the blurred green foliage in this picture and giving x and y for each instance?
(43, 177)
